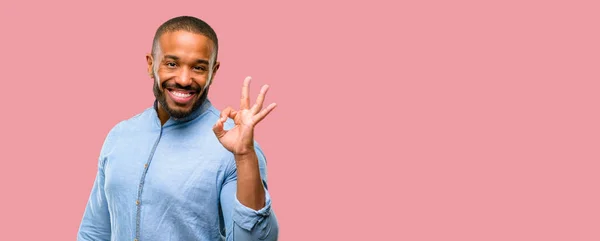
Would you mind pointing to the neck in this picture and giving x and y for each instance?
(162, 114)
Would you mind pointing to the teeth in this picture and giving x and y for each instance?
(179, 94)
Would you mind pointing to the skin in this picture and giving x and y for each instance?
(183, 65)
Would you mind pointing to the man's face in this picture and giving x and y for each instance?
(181, 71)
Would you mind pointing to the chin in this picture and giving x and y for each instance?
(179, 112)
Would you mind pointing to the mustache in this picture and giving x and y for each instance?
(174, 85)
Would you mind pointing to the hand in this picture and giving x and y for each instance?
(240, 139)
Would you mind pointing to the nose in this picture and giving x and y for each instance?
(184, 78)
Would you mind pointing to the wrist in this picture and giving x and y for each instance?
(245, 156)
(244, 152)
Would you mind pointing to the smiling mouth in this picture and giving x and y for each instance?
(181, 96)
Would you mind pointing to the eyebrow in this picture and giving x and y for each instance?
(199, 61)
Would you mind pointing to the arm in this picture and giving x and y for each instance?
(243, 223)
(245, 201)
(95, 224)
(250, 190)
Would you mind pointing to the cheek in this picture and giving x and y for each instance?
(165, 72)
(164, 75)
(200, 79)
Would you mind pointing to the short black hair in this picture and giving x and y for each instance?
(186, 23)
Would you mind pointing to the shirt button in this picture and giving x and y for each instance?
(137, 202)
(135, 239)
(145, 165)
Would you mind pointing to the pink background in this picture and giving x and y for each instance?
(436, 120)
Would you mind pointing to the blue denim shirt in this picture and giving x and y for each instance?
(171, 182)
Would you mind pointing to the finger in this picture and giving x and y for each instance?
(225, 113)
(260, 99)
(232, 114)
(218, 129)
(263, 113)
(245, 101)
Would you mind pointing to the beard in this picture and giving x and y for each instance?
(177, 113)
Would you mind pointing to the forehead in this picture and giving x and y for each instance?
(184, 44)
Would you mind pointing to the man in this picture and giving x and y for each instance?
(182, 170)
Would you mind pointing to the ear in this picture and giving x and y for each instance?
(149, 60)
(215, 69)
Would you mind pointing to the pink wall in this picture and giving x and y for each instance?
(436, 120)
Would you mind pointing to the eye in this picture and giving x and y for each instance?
(171, 65)
(200, 68)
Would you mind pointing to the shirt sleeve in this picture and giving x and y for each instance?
(95, 224)
(243, 223)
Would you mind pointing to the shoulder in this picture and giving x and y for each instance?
(137, 121)
(143, 119)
